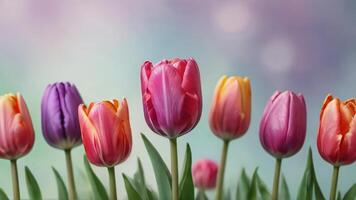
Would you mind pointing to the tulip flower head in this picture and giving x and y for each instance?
(16, 131)
(229, 116)
(171, 95)
(283, 124)
(337, 131)
(59, 111)
(205, 173)
(106, 132)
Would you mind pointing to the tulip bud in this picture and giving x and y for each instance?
(106, 132)
(16, 131)
(171, 96)
(283, 124)
(337, 131)
(229, 116)
(59, 115)
(205, 173)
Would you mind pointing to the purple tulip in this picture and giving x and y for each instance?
(59, 111)
(283, 124)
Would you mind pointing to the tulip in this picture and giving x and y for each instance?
(172, 102)
(229, 116)
(60, 123)
(337, 135)
(16, 133)
(283, 128)
(205, 173)
(106, 135)
(59, 110)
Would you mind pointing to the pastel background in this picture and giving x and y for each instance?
(302, 45)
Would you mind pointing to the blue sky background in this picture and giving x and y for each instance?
(301, 45)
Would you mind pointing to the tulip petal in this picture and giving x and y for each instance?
(165, 83)
(146, 69)
(348, 145)
(89, 136)
(329, 137)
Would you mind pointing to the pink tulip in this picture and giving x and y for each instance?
(171, 96)
(205, 173)
(16, 132)
(283, 124)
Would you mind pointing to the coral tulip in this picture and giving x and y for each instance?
(172, 102)
(204, 173)
(106, 135)
(59, 110)
(337, 131)
(229, 116)
(337, 135)
(283, 129)
(16, 133)
(283, 124)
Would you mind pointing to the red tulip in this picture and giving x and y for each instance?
(16, 132)
(106, 132)
(337, 131)
(171, 96)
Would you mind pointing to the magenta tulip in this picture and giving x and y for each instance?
(172, 102)
(283, 124)
(171, 95)
(283, 129)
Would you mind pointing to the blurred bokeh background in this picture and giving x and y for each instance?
(301, 45)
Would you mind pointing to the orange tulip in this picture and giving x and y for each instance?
(337, 131)
(231, 108)
(16, 131)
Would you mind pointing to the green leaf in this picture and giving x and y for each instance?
(98, 189)
(243, 186)
(33, 189)
(162, 174)
(3, 195)
(284, 194)
(253, 192)
(139, 181)
(62, 190)
(318, 194)
(186, 186)
(263, 189)
(305, 191)
(132, 194)
(351, 193)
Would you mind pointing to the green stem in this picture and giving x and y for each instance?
(174, 168)
(15, 180)
(219, 191)
(70, 175)
(333, 188)
(277, 173)
(113, 195)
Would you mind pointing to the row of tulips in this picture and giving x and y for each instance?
(172, 104)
